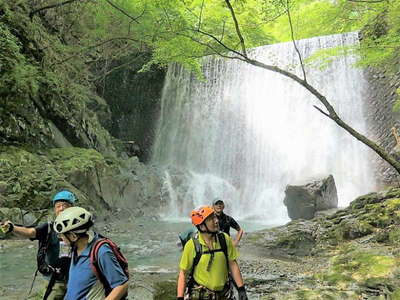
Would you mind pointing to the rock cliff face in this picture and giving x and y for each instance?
(134, 100)
(381, 117)
(105, 185)
(50, 133)
(44, 103)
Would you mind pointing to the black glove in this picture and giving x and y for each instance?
(179, 298)
(242, 293)
(7, 227)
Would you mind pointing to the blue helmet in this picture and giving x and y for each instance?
(64, 196)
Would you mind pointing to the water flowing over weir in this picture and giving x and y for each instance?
(244, 133)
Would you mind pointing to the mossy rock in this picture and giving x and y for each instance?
(31, 179)
(72, 159)
(394, 236)
(165, 290)
(315, 294)
(297, 242)
(352, 229)
(361, 268)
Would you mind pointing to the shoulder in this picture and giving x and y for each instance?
(43, 230)
(103, 248)
(190, 244)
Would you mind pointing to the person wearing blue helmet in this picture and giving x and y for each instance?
(53, 257)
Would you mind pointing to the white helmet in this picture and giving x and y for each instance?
(76, 219)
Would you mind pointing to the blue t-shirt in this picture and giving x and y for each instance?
(83, 283)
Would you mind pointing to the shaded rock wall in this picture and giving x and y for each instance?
(134, 100)
(380, 99)
(44, 103)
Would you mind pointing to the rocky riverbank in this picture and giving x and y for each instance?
(351, 254)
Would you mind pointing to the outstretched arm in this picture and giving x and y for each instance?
(19, 230)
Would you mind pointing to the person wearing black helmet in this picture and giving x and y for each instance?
(226, 222)
(52, 259)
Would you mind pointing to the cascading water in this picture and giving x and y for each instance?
(244, 133)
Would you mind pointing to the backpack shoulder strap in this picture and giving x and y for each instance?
(224, 247)
(199, 251)
(94, 263)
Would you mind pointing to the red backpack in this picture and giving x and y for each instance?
(95, 264)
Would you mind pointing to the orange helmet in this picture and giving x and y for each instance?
(200, 214)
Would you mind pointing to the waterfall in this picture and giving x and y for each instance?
(243, 133)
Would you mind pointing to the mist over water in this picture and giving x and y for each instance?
(244, 133)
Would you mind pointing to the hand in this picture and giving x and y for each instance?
(242, 293)
(7, 227)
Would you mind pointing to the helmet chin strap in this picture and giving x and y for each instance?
(71, 243)
(207, 230)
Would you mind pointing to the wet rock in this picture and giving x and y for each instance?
(304, 200)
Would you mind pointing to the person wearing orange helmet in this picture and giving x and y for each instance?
(207, 260)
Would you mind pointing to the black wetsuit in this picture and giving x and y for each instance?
(226, 222)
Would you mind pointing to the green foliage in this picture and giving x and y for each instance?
(69, 160)
(30, 179)
(17, 75)
(377, 21)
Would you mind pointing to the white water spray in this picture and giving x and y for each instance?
(244, 133)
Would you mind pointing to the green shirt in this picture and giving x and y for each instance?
(216, 278)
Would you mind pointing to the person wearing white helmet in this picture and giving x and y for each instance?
(74, 227)
(52, 261)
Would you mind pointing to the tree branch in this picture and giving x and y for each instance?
(134, 19)
(294, 41)
(85, 49)
(51, 6)
(241, 39)
(322, 112)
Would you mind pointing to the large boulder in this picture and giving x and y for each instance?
(305, 199)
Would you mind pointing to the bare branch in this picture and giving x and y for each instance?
(228, 3)
(294, 41)
(134, 19)
(85, 49)
(322, 112)
(118, 67)
(221, 43)
(201, 15)
(51, 6)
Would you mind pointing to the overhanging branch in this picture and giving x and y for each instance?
(51, 6)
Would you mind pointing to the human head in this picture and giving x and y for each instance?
(63, 200)
(218, 206)
(204, 219)
(73, 223)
